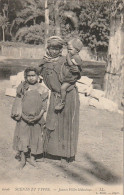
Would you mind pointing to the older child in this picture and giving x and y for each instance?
(68, 76)
(28, 110)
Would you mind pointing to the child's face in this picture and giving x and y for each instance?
(71, 50)
(32, 77)
(54, 51)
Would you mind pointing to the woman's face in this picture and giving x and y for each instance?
(54, 51)
(32, 77)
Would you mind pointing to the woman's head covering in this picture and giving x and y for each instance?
(76, 43)
(55, 41)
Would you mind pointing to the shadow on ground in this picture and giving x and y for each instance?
(95, 173)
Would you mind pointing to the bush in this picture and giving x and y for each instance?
(32, 35)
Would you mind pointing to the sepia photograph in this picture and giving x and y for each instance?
(61, 97)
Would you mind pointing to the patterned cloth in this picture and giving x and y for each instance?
(48, 58)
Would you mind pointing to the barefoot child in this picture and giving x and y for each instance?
(68, 75)
(28, 110)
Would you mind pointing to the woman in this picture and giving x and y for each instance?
(62, 126)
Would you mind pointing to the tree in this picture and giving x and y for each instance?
(32, 9)
(69, 18)
(4, 19)
(88, 19)
(94, 24)
(31, 14)
(8, 9)
(3, 24)
(57, 21)
(115, 67)
(46, 21)
(32, 35)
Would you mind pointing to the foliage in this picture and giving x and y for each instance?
(3, 22)
(4, 19)
(33, 34)
(30, 12)
(117, 7)
(95, 24)
(89, 19)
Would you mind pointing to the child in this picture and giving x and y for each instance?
(69, 77)
(28, 110)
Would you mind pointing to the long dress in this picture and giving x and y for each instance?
(63, 126)
(29, 135)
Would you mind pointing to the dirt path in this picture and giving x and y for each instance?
(99, 158)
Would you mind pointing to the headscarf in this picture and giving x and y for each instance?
(56, 42)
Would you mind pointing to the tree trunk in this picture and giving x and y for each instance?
(113, 80)
(57, 23)
(34, 21)
(46, 22)
(65, 2)
(11, 27)
(3, 29)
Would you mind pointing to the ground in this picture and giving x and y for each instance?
(99, 158)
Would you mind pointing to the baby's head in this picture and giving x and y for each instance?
(74, 46)
(31, 75)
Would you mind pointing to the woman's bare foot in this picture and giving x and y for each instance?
(64, 162)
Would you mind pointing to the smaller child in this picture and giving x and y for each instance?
(28, 109)
(71, 70)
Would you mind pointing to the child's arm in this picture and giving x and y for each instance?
(16, 109)
(70, 63)
(77, 63)
(17, 104)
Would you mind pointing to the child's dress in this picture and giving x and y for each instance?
(28, 135)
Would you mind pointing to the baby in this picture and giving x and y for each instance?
(68, 75)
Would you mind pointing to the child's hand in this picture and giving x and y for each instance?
(31, 121)
(16, 117)
(69, 55)
(74, 69)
